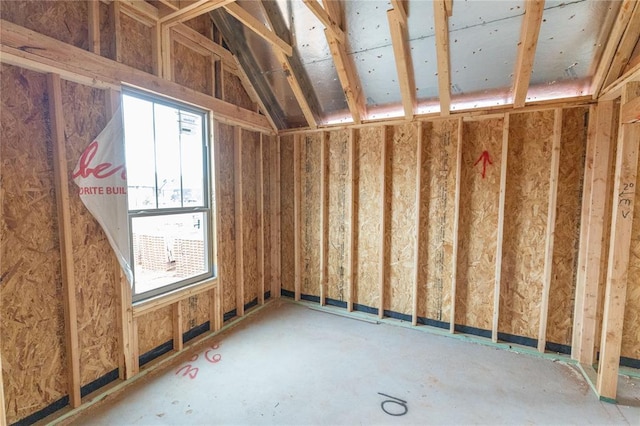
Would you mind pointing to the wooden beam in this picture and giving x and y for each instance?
(274, 203)
(3, 412)
(352, 236)
(166, 52)
(217, 316)
(416, 250)
(404, 67)
(530, 30)
(93, 9)
(141, 11)
(168, 299)
(383, 222)
(597, 167)
(614, 90)
(625, 48)
(349, 79)
(500, 237)
(615, 36)
(191, 11)
(208, 45)
(441, 19)
(630, 112)
(215, 308)
(277, 284)
(324, 216)
(156, 50)
(238, 219)
(177, 325)
(260, 208)
(329, 24)
(297, 200)
(20, 46)
(619, 250)
(456, 227)
(114, 12)
(259, 28)
(169, 4)
(400, 6)
(65, 240)
(448, 5)
(136, 348)
(551, 229)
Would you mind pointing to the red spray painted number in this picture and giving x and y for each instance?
(486, 159)
(192, 372)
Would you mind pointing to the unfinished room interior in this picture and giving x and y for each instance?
(320, 212)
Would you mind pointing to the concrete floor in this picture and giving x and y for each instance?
(292, 365)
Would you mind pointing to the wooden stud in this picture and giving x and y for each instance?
(216, 316)
(416, 273)
(239, 219)
(324, 216)
(114, 11)
(191, 11)
(277, 285)
(297, 200)
(141, 11)
(273, 211)
(530, 30)
(260, 208)
(259, 28)
(625, 47)
(597, 167)
(456, 226)
(441, 19)
(177, 325)
(402, 54)
(93, 8)
(551, 229)
(65, 240)
(136, 348)
(615, 36)
(500, 236)
(215, 308)
(630, 112)
(3, 412)
(353, 261)
(156, 50)
(619, 251)
(614, 90)
(203, 43)
(325, 18)
(383, 221)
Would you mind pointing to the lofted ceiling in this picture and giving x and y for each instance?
(323, 62)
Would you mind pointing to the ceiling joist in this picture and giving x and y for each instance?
(441, 18)
(402, 54)
(530, 30)
(259, 28)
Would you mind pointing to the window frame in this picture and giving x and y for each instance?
(207, 209)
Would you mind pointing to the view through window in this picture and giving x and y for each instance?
(168, 193)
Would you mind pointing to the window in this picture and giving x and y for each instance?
(166, 147)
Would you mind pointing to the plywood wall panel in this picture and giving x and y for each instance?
(401, 187)
(31, 310)
(477, 236)
(192, 69)
(94, 261)
(250, 147)
(369, 196)
(567, 229)
(338, 185)
(438, 203)
(201, 24)
(195, 311)
(227, 234)
(234, 92)
(310, 213)
(66, 21)
(155, 329)
(286, 221)
(527, 199)
(136, 44)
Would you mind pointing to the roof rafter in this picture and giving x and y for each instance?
(259, 28)
(441, 19)
(530, 30)
(326, 20)
(404, 66)
(625, 47)
(191, 11)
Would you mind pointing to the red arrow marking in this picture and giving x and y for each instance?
(484, 157)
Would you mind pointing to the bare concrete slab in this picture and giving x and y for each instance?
(290, 365)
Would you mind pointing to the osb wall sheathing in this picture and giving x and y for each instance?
(94, 263)
(66, 21)
(525, 224)
(195, 311)
(192, 70)
(154, 329)
(107, 31)
(201, 24)
(369, 196)
(235, 93)
(477, 237)
(401, 189)
(136, 44)
(310, 213)
(338, 185)
(567, 228)
(250, 150)
(439, 147)
(226, 233)
(631, 329)
(31, 310)
(287, 274)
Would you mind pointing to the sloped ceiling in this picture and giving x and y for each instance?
(322, 62)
